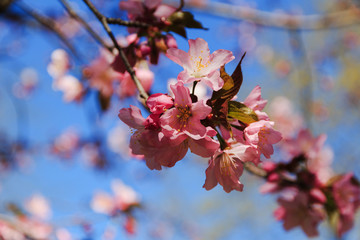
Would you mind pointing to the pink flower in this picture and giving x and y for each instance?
(159, 103)
(226, 167)
(70, 86)
(185, 116)
(149, 140)
(101, 75)
(346, 194)
(254, 99)
(146, 10)
(257, 103)
(38, 206)
(298, 211)
(199, 65)
(123, 199)
(261, 135)
(59, 64)
(127, 86)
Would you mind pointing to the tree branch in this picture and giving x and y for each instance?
(129, 69)
(87, 27)
(127, 23)
(312, 22)
(48, 23)
(250, 167)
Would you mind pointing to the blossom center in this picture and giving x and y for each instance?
(263, 134)
(226, 163)
(184, 113)
(199, 64)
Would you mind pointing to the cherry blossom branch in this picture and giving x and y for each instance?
(87, 27)
(255, 170)
(127, 23)
(48, 23)
(312, 22)
(129, 69)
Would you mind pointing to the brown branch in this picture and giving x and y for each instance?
(119, 21)
(181, 6)
(87, 27)
(48, 23)
(250, 167)
(129, 69)
(339, 19)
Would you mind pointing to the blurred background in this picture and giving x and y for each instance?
(58, 155)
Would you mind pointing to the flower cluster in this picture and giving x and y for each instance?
(309, 190)
(123, 202)
(230, 133)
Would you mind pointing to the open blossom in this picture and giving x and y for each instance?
(185, 116)
(70, 86)
(101, 75)
(347, 199)
(256, 103)
(261, 135)
(226, 167)
(148, 140)
(199, 64)
(298, 211)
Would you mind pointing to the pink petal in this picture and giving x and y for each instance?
(199, 48)
(132, 117)
(204, 147)
(151, 4)
(164, 11)
(182, 94)
(213, 80)
(219, 58)
(254, 99)
(179, 56)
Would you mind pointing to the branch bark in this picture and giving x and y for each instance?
(129, 69)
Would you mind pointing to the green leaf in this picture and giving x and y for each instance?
(241, 112)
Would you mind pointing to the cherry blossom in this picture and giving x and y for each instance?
(298, 211)
(226, 167)
(101, 75)
(185, 116)
(148, 140)
(70, 86)
(38, 206)
(261, 135)
(199, 64)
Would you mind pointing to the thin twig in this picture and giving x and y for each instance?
(181, 6)
(87, 27)
(129, 69)
(250, 167)
(48, 23)
(312, 22)
(119, 21)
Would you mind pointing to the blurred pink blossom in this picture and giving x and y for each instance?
(38, 206)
